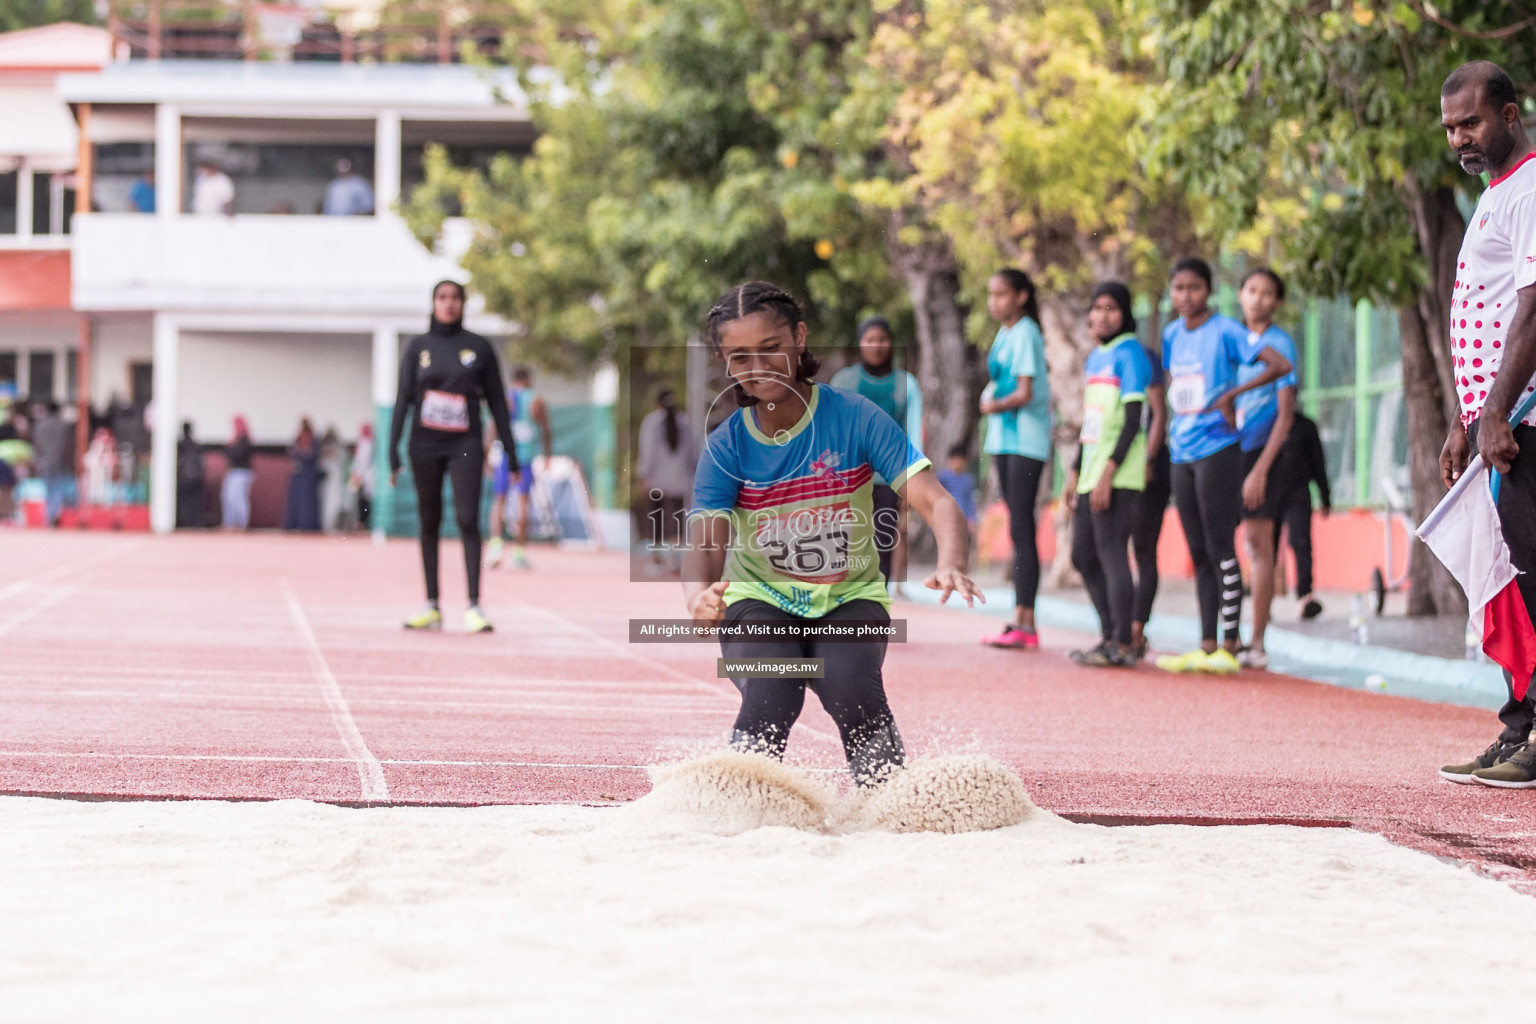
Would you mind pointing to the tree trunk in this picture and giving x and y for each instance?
(945, 365)
(1066, 346)
(1429, 388)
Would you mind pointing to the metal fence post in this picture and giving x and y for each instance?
(1362, 403)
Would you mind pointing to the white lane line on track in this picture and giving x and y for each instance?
(370, 772)
(39, 606)
(21, 586)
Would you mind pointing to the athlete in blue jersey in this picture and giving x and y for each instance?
(531, 434)
(1202, 354)
(877, 377)
(1264, 417)
(781, 537)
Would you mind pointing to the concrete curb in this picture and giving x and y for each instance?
(1445, 680)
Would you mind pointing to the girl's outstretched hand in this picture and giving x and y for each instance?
(954, 581)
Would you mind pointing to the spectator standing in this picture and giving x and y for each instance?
(669, 454)
(190, 480)
(303, 508)
(212, 191)
(1017, 404)
(333, 483)
(53, 454)
(1300, 465)
(957, 479)
(360, 480)
(877, 377)
(101, 468)
(348, 194)
(141, 195)
(235, 496)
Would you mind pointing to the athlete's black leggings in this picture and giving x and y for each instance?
(1151, 509)
(1100, 551)
(1019, 476)
(464, 467)
(1209, 496)
(852, 690)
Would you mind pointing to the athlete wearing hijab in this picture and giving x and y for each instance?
(444, 376)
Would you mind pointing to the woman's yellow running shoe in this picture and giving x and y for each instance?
(1190, 661)
(476, 622)
(428, 618)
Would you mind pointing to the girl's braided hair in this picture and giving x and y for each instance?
(760, 297)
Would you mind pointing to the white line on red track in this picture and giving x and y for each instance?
(21, 586)
(370, 773)
(284, 759)
(42, 604)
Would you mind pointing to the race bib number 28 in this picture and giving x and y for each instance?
(441, 410)
(1186, 393)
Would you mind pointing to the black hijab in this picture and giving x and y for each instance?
(1122, 298)
(447, 329)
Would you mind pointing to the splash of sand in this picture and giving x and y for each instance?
(729, 792)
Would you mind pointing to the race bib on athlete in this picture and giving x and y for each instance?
(1093, 425)
(810, 545)
(441, 410)
(1186, 393)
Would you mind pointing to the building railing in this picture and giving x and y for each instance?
(412, 32)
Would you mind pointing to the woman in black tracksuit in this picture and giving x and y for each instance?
(444, 376)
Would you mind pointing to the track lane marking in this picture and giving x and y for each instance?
(33, 610)
(370, 773)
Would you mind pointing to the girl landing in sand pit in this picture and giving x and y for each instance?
(790, 475)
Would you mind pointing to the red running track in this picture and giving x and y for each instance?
(265, 667)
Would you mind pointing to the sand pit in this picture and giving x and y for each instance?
(303, 912)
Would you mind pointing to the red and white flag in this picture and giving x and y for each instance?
(1464, 533)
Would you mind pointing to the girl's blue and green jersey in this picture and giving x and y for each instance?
(800, 504)
(1201, 365)
(1116, 373)
(1258, 409)
(1019, 351)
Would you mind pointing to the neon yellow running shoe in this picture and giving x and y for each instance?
(429, 618)
(1221, 662)
(476, 622)
(1190, 661)
(493, 552)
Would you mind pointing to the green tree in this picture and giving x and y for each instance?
(1333, 106)
(18, 14)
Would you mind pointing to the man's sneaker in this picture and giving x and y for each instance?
(493, 552)
(1221, 662)
(1093, 657)
(428, 618)
(520, 558)
(1311, 608)
(1013, 636)
(1516, 771)
(476, 622)
(1461, 774)
(1250, 658)
(1189, 661)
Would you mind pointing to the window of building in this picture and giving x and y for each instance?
(123, 177)
(8, 204)
(40, 367)
(53, 203)
(8, 366)
(71, 375)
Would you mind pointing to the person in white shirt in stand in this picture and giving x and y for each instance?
(1493, 353)
(348, 194)
(212, 191)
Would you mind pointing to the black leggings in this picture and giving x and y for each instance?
(1209, 496)
(1296, 518)
(464, 467)
(1019, 476)
(852, 690)
(1151, 509)
(1100, 543)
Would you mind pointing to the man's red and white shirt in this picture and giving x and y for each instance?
(1497, 259)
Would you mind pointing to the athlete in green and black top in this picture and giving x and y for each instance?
(444, 376)
(1105, 486)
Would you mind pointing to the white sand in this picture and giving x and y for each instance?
(301, 912)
